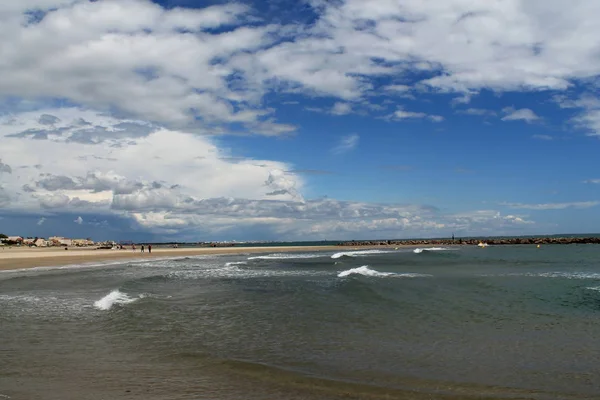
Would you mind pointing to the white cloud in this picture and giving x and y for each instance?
(76, 172)
(467, 46)
(477, 111)
(594, 181)
(542, 137)
(401, 114)
(346, 144)
(78, 220)
(553, 206)
(338, 109)
(145, 81)
(341, 108)
(41, 221)
(136, 57)
(523, 114)
(589, 117)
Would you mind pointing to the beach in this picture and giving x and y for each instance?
(26, 257)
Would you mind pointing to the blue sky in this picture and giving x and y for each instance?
(304, 120)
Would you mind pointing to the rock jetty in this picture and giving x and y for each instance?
(475, 241)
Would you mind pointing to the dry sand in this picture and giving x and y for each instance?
(25, 257)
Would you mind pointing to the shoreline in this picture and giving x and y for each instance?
(27, 258)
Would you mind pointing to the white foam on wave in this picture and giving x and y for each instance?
(234, 263)
(114, 297)
(359, 253)
(594, 288)
(420, 250)
(280, 256)
(366, 271)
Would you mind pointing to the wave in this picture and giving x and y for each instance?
(420, 250)
(359, 253)
(594, 288)
(234, 263)
(285, 256)
(114, 297)
(366, 271)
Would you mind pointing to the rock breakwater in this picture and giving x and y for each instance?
(489, 241)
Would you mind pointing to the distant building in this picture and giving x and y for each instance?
(82, 242)
(14, 239)
(60, 241)
(41, 242)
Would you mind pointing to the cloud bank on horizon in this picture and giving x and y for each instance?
(331, 120)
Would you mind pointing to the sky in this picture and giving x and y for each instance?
(293, 120)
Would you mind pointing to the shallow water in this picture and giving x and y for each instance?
(511, 321)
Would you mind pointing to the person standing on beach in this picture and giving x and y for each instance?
(149, 248)
(142, 248)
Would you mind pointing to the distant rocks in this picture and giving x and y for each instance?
(491, 241)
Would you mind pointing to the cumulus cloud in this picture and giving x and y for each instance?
(78, 220)
(346, 144)
(142, 85)
(589, 115)
(402, 114)
(523, 114)
(341, 108)
(5, 168)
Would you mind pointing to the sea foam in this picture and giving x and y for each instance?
(420, 250)
(234, 263)
(114, 297)
(366, 271)
(285, 256)
(359, 253)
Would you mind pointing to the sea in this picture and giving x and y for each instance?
(464, 322)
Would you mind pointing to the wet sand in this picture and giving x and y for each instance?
(25, 257)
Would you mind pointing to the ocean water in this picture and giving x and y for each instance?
(515, 322)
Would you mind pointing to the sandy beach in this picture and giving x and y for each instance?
(25, 257)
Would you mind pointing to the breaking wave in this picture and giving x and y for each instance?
(366, 271)
(359, 253)
(420, 250)
(285, 256)
(234, 263)
(114, 298)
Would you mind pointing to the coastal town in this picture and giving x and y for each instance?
(52, 241)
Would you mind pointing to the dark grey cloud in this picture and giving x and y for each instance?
(39, 134)
(83, 132)
(56, 182)
(99, 134)
(4, 197)
(93, 181)
(5, 168)
(28, 189)
(47, 119)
